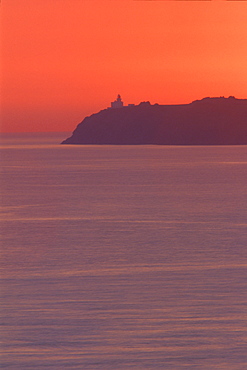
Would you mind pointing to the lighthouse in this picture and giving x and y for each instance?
(117, 103)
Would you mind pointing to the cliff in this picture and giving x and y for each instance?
(210, 121)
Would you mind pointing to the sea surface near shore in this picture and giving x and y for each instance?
(123, 257)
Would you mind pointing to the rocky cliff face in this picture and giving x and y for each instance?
(210, 121)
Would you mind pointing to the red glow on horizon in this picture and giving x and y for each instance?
(64, 60)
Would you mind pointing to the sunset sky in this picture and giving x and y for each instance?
(65, 59)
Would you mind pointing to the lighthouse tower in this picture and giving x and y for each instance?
(117, 103)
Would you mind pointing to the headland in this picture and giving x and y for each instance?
(210, 121)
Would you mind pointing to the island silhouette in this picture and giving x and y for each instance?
(209, 121)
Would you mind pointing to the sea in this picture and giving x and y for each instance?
(122, 257)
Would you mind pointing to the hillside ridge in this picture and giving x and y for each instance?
(209, 121)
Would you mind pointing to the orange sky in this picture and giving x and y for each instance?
(64, 59)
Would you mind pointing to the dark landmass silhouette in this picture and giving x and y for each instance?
(210, 121)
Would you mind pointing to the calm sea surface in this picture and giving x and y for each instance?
(123, 257)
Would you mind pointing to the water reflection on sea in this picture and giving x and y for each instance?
(123, 257)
